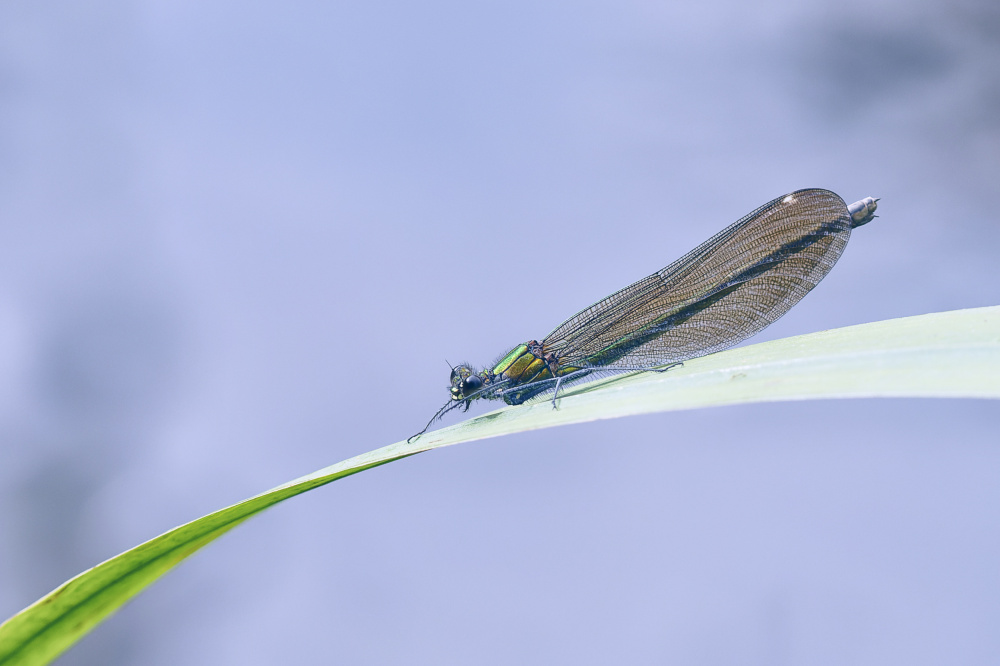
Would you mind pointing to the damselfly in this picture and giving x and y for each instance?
(725, 290)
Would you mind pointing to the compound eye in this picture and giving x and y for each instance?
(472, 384)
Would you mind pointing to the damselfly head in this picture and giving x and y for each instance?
(465, 381)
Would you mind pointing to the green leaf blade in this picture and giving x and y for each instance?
(945, 355)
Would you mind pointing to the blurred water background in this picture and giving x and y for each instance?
(239, 240)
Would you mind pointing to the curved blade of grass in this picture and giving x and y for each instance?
(951, 354)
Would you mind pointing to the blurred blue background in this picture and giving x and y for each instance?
(239, 241)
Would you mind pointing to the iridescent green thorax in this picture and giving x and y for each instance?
(524, 365)
(504, 364)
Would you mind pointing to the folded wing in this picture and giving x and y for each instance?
(722, 292)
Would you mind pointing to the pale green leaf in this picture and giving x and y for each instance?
(952, 354)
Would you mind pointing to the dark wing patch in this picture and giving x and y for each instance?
(728, 288)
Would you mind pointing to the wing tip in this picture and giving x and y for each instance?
(863, 212)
